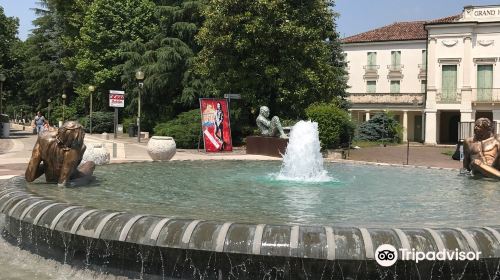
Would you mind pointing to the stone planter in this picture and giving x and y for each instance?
(161, 147)
(96, 153)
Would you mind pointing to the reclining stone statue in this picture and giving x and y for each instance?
(58, 154)
(482, 152)
(269, 127)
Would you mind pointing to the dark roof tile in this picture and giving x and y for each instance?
(398, 31)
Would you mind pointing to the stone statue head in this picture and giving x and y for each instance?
(483, 129)
(70, 135)
(264, 111)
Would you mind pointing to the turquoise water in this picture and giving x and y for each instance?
(247, 191)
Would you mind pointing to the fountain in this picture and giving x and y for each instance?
(231, 220)
(303, 160)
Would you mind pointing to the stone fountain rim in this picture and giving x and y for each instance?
(13, 195)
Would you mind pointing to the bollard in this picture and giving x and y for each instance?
(114, 150)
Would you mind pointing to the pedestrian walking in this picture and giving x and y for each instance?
(39, 121)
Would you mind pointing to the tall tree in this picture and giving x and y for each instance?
(9, 59)
(280, 53)
(106, 25)
(166, 59)
(46, 76)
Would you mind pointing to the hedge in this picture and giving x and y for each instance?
(185, 129)
(335, 126)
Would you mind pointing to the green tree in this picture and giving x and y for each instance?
(381, 127)
(105, 26)
(45, 74)
(280, 53)
(10, 59)
(170, 85)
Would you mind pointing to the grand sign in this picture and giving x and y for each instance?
(488, 13)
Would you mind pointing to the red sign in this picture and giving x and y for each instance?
(215, 125)
(116, 98)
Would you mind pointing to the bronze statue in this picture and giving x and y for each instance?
(58, 154)
(482, 152)
(269, 127)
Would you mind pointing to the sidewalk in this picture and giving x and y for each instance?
(128, 149)
(15, 151)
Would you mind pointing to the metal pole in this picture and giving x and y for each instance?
(139, 114)
(64, 107)
(115, 122)
(48, 114)
(90, 112)
(407, 151)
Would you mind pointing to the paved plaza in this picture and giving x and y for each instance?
(15, 152)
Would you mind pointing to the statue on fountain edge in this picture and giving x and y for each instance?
(58, 156)
(482, 152)
(269, 127)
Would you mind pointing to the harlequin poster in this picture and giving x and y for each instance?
(215, 125)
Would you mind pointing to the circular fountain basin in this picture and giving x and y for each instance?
(235, 220)
(248, 191)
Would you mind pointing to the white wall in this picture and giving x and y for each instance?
(481, 35)
(411, 57)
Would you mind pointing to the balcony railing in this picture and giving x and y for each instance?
(387, 98)
(371, 71)
(371, 67)
(448, 96)
(486, 95)
(395, 68)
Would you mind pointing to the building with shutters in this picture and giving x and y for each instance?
(435, 76)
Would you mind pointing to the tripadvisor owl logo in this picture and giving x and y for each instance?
(386, 255)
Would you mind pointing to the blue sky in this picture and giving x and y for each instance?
(356, 16)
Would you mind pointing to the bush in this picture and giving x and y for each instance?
(335, 126)
(101, 122)
(56, 114)
(381, 127)
(127, 122)
(185, 129)
(4, 118)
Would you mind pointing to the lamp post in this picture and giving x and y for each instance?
(91, 90)
(64, 104)
(2, 79)
(139, 75)
(48, 110)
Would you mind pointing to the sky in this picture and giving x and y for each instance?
(356, 16)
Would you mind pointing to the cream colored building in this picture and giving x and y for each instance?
(437, 77)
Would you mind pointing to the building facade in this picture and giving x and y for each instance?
(436, 76)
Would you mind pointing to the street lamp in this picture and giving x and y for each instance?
(91, 90)
(64, 104)
(48, 110)
(2, 79)
(139, 75)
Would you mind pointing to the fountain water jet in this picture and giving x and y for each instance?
(303, 160)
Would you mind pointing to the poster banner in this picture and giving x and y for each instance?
(215, 125)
